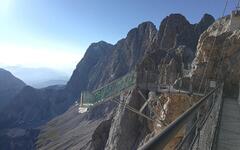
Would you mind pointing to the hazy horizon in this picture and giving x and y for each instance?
(39, 77)
(39, 33)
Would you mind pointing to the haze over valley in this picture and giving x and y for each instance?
(39, 77)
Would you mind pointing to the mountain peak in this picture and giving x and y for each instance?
(177, 17)
(99, 43)
(206, 20)
(146, 24)
(97, 46)
(7, 80)
(9, 86)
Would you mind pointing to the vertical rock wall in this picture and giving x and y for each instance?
(128, 128)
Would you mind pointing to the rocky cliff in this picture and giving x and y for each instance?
(9, 87)
(218, 54)
(175, 30)
(145, 48)
(103, 62)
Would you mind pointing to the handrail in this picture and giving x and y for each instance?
(216, 131)
(161, 140)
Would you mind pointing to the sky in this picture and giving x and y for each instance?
(56, 33)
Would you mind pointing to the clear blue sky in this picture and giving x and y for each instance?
(56, 33)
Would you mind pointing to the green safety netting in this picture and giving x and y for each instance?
(146, 80)
(113, 88)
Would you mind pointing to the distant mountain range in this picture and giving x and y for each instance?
(39, 77)
(49, 83)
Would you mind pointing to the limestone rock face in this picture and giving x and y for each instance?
(169, 108)
(218, 51)
(204, 23)
(128, 128)
(103, 62)
(96, 53)
(175, 30)
(169, 65)
(171, 26)
(175, 46)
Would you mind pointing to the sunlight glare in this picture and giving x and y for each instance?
(5, 6)
(63, 60)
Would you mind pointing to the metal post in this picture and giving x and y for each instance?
(239, 93)
(238, 6)
(81, 99)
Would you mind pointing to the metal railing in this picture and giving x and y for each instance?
(161, 140)
(216, 131)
